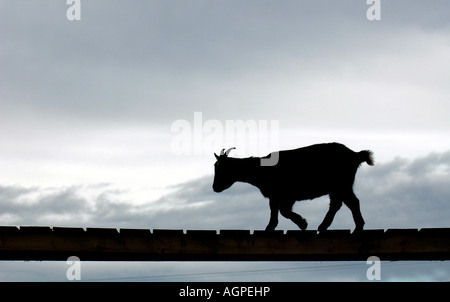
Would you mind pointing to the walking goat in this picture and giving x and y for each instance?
(299, 174)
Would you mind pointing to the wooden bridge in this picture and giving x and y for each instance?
(109, 244)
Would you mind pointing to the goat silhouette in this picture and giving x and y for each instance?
(299, 174)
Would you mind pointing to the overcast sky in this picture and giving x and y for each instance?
(89, 109)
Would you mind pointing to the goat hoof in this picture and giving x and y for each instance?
(270, 229)
(357, 230)
(322, 229)
(303, 225)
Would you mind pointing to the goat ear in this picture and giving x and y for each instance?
(217, 157)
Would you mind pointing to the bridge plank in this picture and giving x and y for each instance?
(109, 244)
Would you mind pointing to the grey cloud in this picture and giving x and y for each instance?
(31, 205)
(198, 207)
(404, 193)
(162, 60)
(428, 164)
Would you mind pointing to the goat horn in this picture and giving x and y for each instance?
(228, 151)
(222, 152)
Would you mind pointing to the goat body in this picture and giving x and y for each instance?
(303, 173)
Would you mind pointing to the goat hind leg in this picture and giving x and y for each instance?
(353, 203)
(273, 222)
(286, 211)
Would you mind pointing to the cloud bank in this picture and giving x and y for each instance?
(155, 62)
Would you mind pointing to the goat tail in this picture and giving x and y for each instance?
(366, 156)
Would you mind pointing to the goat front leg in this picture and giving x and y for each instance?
(273, 222)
